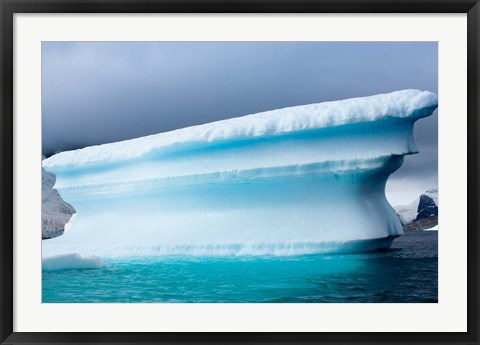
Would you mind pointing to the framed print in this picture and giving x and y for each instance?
(239, 172)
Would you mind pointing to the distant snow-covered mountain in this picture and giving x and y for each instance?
(425, 206)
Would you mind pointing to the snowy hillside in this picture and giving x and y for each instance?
(426, 205)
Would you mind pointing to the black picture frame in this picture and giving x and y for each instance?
(10, 7)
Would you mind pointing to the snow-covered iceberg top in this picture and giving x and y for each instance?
(412, 104)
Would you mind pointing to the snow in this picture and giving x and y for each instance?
(56, 214)
(408, 213)
(433, 193)
(70, 223)
(412, 104)
(435, 228)
(71, 261)
(297, 180)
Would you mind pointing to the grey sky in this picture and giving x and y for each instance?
(99, 92)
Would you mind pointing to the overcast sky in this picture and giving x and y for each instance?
(99, 92)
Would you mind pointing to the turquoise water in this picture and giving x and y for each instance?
(405, 273)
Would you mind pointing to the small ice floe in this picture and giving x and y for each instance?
(435, 228)
(71, 261)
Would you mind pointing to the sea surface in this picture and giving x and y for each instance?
(406, 273)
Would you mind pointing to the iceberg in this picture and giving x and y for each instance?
(434, 228)
(57, 215)
(299, 180)
(71, 261)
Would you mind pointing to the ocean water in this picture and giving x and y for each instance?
(406, 273)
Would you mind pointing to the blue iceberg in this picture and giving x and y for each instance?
(299, 180)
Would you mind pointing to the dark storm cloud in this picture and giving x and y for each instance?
(93, 93)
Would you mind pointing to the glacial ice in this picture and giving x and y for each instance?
(299, 180)
(434, 228)
(71, 261)
(57, 215)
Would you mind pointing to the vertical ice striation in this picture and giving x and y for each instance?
(298, 180)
